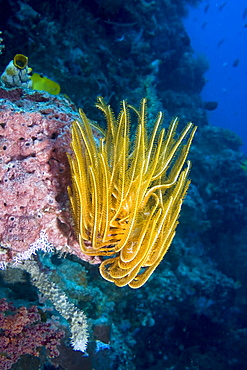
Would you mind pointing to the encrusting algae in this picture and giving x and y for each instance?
(126, 198)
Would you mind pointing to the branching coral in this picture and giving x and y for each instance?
(23, 332)
(126, 198)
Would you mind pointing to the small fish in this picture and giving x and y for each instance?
(210, 105)
(40, 82)
(220, 43)
(222, 6)
(244, 13)
(121, 38)
(204, 25)
(206, 8)
(235, 63)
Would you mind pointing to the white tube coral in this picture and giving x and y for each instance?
(75, 317)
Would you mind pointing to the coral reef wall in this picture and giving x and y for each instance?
(97, 47)
(191, 313)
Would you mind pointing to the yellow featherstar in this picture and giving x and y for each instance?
(126, 198)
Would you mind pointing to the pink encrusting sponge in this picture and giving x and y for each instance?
(34, 174)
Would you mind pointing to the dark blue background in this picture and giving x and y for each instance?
(218, 30)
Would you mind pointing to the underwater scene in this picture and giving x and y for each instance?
(123, 181)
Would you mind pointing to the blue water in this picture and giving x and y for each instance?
(218, 30)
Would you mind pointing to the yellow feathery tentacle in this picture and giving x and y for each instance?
(126, 200)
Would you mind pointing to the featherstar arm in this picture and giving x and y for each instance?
(126, 200)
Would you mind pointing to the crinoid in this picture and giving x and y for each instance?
(126, 198)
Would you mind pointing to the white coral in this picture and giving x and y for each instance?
(1, 46)
(75, 317)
